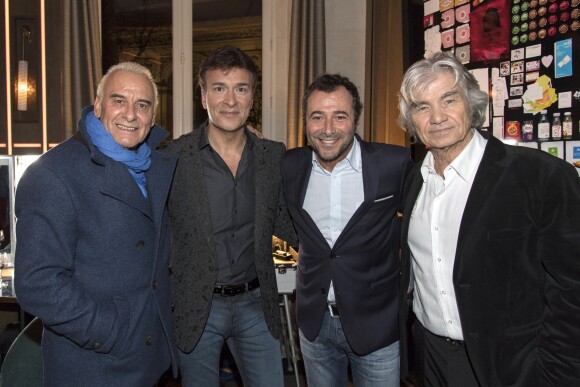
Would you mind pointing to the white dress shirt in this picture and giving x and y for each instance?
(333, 197)
(433, 232)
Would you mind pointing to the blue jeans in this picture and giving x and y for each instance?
(239, 320)
(326, 360)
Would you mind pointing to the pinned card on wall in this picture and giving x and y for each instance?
(444, 5)
(462, 53)
(555, 148)
(573, 154)
(448, 18)
(432, 41)
(462, 34)
(448, 38)
(462, 14)
(563, 58)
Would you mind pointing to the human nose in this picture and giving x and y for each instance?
(438, 114)
(327, 127)
(129, 112)
(230, 98)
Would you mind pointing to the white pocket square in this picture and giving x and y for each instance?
(383, 199)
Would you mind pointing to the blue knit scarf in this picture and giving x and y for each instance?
(136, 162)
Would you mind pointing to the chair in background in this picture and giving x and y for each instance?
(22, 366)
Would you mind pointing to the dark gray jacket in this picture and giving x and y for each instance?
(194, 261)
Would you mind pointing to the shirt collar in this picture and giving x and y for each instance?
(465, 164)
(352, 159)
(204, 140)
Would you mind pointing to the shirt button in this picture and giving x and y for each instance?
(96, 345)
(154, 284)
(444, 292)
(438, 259)
(436, 228)
(139, 245)
(148, 340)
(449, 322)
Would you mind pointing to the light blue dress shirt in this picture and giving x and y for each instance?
(333, 197)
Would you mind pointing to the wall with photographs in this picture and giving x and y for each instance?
(525, 54)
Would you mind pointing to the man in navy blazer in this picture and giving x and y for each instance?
(93, 242)
(492, 241)
(343, 195)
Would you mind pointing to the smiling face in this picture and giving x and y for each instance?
(227, 98)
(330, 125)
(126, 107)
(440, 117)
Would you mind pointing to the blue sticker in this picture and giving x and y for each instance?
(563, 58)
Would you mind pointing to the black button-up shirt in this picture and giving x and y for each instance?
(232, 204)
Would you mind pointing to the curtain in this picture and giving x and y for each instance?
(82, 59)
(307, 61)
(384, 72)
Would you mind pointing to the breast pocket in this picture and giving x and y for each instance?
(384, 198)
(382, 202)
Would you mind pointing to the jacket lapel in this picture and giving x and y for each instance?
(303, 170)
(263, 177)
(410, 197)
(159, 179)
(488, 172)
(119, 184)
(197, 199)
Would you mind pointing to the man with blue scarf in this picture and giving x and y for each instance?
(93, 242)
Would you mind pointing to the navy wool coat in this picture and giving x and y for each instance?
(91, 263)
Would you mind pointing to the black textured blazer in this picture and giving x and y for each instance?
(193, 256)
(517, 267)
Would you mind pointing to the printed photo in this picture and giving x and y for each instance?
(518, 67)
(533, 65)
(517, 79)
(518, 90)
(504, 69)
(532, 76)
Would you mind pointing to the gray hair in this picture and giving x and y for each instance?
(132, 67)
(422, 73)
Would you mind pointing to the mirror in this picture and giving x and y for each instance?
(6, 210)
(20, 164)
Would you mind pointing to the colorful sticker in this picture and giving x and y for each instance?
(563, 58)
(444, 5)
(448, 19)
(462, 34)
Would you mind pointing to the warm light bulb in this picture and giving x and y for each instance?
(22, 99)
